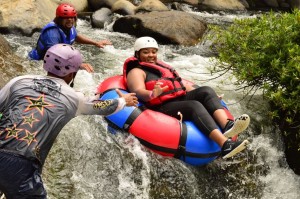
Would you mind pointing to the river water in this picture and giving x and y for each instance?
(88, 162)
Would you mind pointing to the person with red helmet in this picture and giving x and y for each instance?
(62, 30)
(34, 110)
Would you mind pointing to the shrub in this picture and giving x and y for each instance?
(264, 53)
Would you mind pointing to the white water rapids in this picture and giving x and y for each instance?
(88, 162)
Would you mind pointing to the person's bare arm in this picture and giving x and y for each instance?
(85, 40)
(88, 67)
(136, 84)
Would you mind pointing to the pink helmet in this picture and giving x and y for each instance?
(66, 10)
(62, 59)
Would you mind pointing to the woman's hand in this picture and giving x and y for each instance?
(157, 90)
(130, 98)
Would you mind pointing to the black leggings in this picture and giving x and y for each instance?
(197, 105)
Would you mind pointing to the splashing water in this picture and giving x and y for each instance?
(89, 162)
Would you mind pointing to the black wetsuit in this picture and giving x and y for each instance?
(197, 105)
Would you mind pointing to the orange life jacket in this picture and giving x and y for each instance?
(168, 77)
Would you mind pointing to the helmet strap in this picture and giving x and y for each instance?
(71, 84)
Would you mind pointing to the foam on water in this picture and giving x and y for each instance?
(89, 162)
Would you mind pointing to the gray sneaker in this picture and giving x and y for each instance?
(239, 125)
(231, 148)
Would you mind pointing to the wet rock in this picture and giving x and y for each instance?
(10, 64)
(272, 3)
(100, 17)
(294, 3)
(151, 5)
(27, 16)
(168, 27)
(222, 5)
(123, 7)
(97, 4)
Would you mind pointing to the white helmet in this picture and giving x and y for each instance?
(145, 42)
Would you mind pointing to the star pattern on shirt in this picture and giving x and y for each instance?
(30, 120)
(12, 132)
(29, 137)
(38, 103)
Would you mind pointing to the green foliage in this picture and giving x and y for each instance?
(264, 53)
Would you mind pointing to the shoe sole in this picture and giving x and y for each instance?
(240, 124)
(238, 149)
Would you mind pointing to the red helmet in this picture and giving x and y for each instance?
(66, 10)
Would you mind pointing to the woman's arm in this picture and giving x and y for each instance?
(136, 84)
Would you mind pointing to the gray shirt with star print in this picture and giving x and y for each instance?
(35, 109)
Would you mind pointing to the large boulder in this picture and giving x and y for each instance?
(100, 17)
(97, 4)
(10, 64)
(265, 4)
(80, 5)
(151, 5)
(123, 7)
(294, 3)
(30, 15)
(223, 5)
(168, 27)
(272, 3)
